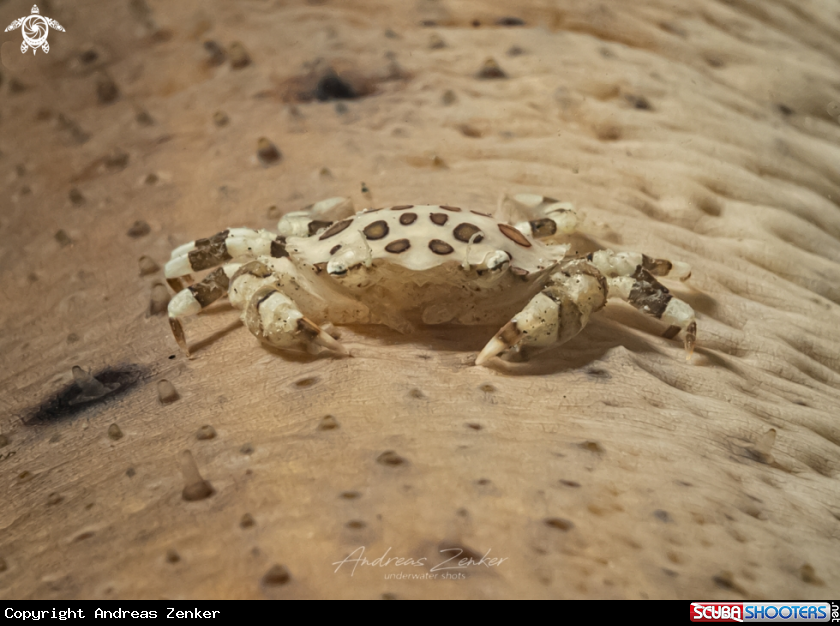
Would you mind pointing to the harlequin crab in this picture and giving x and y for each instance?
(410, 265)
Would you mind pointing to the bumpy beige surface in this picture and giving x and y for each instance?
(704, 131)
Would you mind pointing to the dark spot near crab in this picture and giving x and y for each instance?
(306, 382)
(440, 247)
(335, 229)
(438, 218)
(558, 523)
(332, 87)
(408, 218)
(465, 231)
(68, 402)
(390, 458)
(376, 230)
(510, 21)
(400, 245)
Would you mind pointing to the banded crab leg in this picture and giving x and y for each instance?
(631, 276)
(233, 244)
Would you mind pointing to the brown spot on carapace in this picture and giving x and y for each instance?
(439, 218)
(480, 213)
(545, 227)
(408, 218)
(465, 231)
(335, 249)
(376, 230)
(514, 235)
(316, 225)
(402, 207)
(209, 252)
(335, 229)
(454, 209)
(400, 245)
(440, 247)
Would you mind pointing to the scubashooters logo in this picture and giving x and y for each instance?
(35, 30)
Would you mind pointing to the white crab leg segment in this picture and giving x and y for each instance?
(232, 244)
(315, 218)
(556, 314)
(614, 264)
(274, 318)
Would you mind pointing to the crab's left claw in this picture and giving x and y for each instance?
(320, 337)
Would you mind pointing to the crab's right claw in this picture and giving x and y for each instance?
(504, 339)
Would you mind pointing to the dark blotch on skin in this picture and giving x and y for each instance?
(402, 207)
(464, 232)
(657, 267)
(376, 230)
(408, 218)
(454, 209)
(335, 249)
(648, 295)
(277, 575)
(278, 248)
(439, 218)
(400, 245)
(61, 406)
(209, 252)
(558, 523)
(335, 229)
(440, 247)
(332, 87)
(390, 458)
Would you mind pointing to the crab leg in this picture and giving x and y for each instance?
(191, 300)
(555, 315)
(233, 244)
(631, 277)
(545, 217)
(315, 218)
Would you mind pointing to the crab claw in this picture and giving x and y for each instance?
(319, 336)
(504, 339)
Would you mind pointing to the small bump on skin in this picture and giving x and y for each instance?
(440, 247)
(205, 432)
(267, 152)
(159, 299)
(402, 207)
(376, 230)
(276, 576)
(454, 209)
(514, 235)
(195, 488)
(400, 245)
(166, 392)
(408, 218)
(335, 229)
(465, 231)
(439, 218)
(147, 266)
